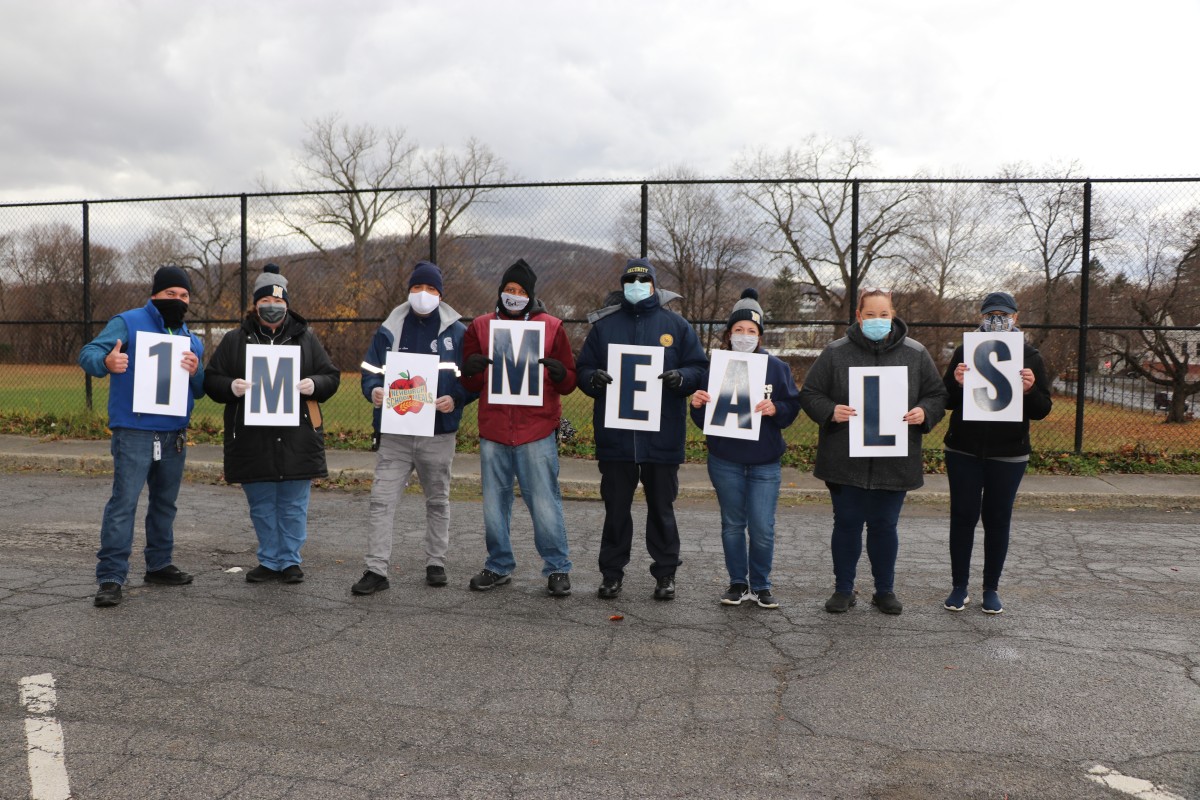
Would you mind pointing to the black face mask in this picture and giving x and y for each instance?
(272, 314)
(172, 311)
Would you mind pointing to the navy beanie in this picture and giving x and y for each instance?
(747, 308)
(639, 266)
(270, 284)
(426, 272)
(169, 276)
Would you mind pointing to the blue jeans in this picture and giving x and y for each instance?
(879, 510)
(134, 467)
(279, 510)
(981, 488)
(747, 494)
(535, 466)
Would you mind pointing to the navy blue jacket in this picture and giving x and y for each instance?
(770, 445)
(650, 325)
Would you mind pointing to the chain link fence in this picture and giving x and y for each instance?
(1105, 272)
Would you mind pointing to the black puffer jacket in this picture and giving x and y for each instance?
(271, 453)
(997, 439)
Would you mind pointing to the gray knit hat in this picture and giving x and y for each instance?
(270, 284)
(747, 308)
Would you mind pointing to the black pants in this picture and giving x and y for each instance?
(618, 481)
(984, 489)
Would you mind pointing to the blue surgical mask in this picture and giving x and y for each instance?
(876, 329)
(637, 291)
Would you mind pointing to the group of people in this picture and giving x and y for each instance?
(275, 465)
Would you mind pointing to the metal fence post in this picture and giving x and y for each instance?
(245, 281)
(433, 231)
(851, 300)
(1084, 280)
(645, 219)
(87, 299)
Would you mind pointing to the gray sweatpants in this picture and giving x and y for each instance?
(399, 455)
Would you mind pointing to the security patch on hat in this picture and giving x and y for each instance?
(277, 291)
(666, 340)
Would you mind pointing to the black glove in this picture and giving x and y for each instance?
(672, 379)
(475, 364)
(600, 379)
(555, 367)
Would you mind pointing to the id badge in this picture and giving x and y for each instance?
(157, 449)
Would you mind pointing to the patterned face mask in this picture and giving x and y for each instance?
(998, 323)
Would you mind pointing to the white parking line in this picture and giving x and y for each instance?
(44, 739)
(1136, 787)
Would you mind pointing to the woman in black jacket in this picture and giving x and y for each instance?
(275, 464)
(985, 462)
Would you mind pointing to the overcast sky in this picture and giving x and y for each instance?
(117, 98)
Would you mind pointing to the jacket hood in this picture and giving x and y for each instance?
(894, 339)
(616, 299)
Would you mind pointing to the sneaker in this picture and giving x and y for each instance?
(766, 599)
(109, 594)
(435, 575)
(665, 590)
(370, 583)
(170, 575)
(292, 574)
(735, 594)
(558, 584)
(486, 579)
(887, 602)
(609, 588)
(991, 602)
(840, 602)
(957, 600)
(261, 574)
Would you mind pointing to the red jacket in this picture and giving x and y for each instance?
(516, 425)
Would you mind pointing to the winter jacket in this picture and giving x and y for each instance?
(996, 439)
(514, 425)
(257, 453)
(827, 385)
(770, 445)
(648, 324)
(125, 327)
(447, 346)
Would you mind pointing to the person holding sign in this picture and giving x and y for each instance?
(422, 324)
(148, 445)
(516, 436)
(274, 463)
(986, 460)
(869, 490)
(746, 473)
(643, 445)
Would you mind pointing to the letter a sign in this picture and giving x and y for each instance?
(737, 383)
(515, 377)
(880, 396)
(992, 383)
(273, 372)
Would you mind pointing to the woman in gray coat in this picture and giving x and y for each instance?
(869, 491)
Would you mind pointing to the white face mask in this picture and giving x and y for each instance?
(423, 302)
(514, 303)
(743, 342)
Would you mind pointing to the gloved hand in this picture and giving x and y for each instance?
(554, 367)
(475, 364)
(306, 386)
(600, 379)
(672, 379)
(377, 396)
(239, 387)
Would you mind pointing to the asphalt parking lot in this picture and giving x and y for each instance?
(224, 689)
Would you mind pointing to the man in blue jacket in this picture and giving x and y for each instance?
(424, 324)
(148, 449)
(651, 457)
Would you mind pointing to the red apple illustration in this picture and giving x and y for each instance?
(405, 382)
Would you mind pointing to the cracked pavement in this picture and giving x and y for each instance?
(224, 689)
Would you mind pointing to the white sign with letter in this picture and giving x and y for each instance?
(880, 396)
(160, 383)
(736, 384)
(515, 377)
(409, 391)
(273, 372)
(992, 390)
(634, 398)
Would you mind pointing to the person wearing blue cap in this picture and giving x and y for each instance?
(148, 449)
(985, 462)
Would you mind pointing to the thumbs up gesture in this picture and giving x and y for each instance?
(116, 362)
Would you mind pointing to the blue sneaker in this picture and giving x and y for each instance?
(957, 600)
(991, 602)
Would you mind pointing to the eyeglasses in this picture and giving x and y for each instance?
(869, 291)
(637, 279)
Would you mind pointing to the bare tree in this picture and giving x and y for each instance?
(946, 255)
(807, 196)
